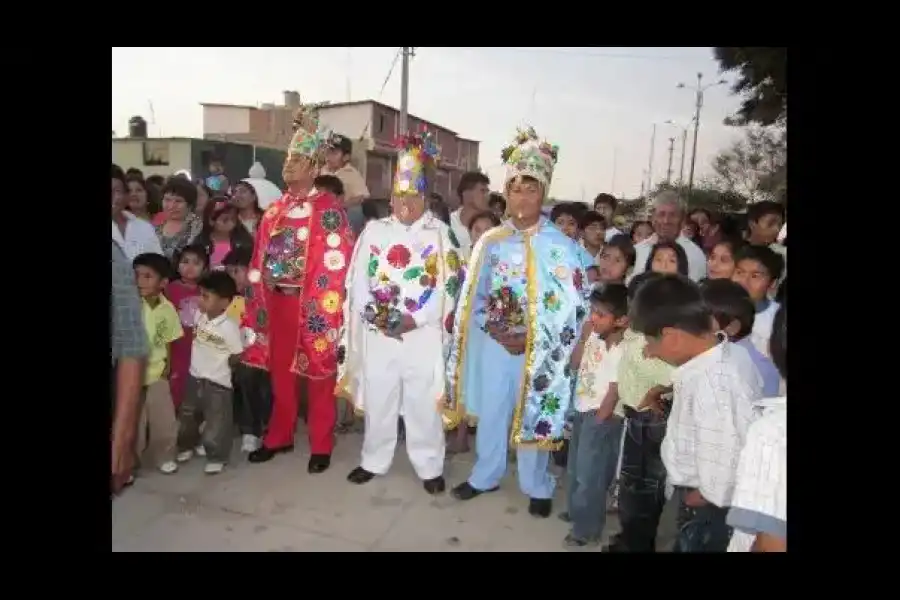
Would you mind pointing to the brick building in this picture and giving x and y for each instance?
(371, 125)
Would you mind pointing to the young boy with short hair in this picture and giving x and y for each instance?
(734, 314)
(252, 387)
(642, 383)
(566, 216)
(330, 183)
(593, 233)
(715, 384)
(757, 270)
(208, 398)
(597, 424)
(152, 273)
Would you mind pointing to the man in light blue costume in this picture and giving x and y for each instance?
(519, 316)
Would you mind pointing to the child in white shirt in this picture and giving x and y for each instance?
(715, 384)
(759, 506)
(208, 398)
(597, 424)
(757, 269)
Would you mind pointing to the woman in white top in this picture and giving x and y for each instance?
(135, 236)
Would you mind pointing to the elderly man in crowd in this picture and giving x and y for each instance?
(667, 218)
(128, 348)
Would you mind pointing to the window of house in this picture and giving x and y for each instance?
(156, 153)
(381, 123)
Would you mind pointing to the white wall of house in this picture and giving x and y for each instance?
(226, 119)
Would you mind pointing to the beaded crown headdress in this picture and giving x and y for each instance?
(418, 153)
(528, 155)
(308, 138)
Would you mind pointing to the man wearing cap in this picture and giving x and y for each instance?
(290, 327)
(338, 151)
(402, 287)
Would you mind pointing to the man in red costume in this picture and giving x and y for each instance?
(303, 246)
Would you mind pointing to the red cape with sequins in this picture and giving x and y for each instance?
(329, 249)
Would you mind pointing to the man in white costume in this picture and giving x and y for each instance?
(401, 288)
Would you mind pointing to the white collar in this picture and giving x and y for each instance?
(701, 361)
(218, 320)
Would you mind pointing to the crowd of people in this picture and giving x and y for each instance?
(648, 362)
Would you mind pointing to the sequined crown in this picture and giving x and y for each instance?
(528, 155)
(418, 152)
(308, 140)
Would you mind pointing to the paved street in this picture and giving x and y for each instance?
(279, 507)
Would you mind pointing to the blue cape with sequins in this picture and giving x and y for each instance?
(547, 272)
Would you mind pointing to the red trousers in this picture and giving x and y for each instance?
(284, 322)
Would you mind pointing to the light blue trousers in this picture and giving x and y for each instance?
(500, 388)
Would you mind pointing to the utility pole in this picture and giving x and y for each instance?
(697, 106)
(671, 152)
(650, 165)
(683, 149)
(643, 185)
(408, 52)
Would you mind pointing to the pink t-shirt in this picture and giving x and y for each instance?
(220, 249)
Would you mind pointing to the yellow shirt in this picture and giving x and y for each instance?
(235, 310)
(637, 374)
(163, 327)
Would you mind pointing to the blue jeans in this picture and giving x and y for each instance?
(593, 456)
(701, 529)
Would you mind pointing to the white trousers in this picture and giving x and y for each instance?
(404, 377)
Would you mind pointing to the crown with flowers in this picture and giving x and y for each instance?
(528, 155)
(417, 153)
(308, 139)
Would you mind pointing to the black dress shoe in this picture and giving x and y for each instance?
(540, 507)
(263, 454)
(464, 491)
(319, 463)
(360, 476)
(435, 486)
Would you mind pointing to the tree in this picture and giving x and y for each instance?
(762, 81)
(754, 167)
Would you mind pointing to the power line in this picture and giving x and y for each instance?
(383, 86)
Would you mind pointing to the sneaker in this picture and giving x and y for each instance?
(168, 467)
(200, 450)
(213, 468)
(249, 443)
(185, 456)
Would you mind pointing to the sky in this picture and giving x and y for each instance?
(598, 104)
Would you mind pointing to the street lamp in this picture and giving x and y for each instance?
(698, 90)
(650, 164)
(684, 132)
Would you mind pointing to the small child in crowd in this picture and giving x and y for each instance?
(185, 296)
(734, 313)
(720, 264)
(208, 399)
(565, 216)
(597, 425)
(152, 272)
(715, 385)
(759, 507)
(593, 233)
(330, 183)
(480, 223)
(667, 258)
(222, 232)
(236, 263)
(458, 439)
(216, 180)
(640, 231)
(616, 261)
(642, 382)
(252, 387)
(757, 269)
